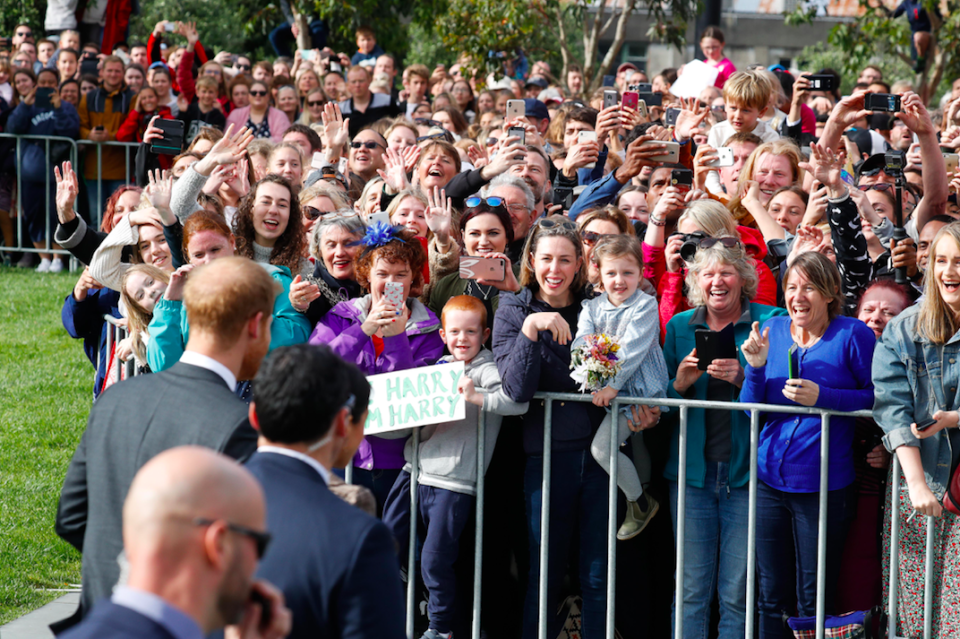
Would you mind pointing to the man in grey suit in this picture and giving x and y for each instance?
(229, 309)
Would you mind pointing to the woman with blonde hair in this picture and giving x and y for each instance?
(430, 217)
(772, 165)
(915, 376)
(141, 287)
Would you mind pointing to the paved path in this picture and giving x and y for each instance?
(34, 625)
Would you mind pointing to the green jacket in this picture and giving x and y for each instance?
(679, 342)
(169, 330)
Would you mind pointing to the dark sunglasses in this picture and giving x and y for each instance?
(316, 103)
(874, 187)
(432, 136)
(261, 539)
(369, 144)
(591, 238)
(476, 201)
(24, 34)
(258, 94)
(725, 242)
(545, 223)
(492, 141)
(243, 67)
(427, 122)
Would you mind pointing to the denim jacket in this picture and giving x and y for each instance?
(914, 378)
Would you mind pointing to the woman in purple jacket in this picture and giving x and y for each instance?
(379, 337)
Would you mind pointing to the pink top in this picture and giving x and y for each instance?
(726, 70)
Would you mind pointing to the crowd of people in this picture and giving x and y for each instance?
(767, 240)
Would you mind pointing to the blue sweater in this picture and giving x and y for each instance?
(84, 320)
(32, 120)
(840, 363)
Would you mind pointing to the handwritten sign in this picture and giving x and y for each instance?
(414, 397)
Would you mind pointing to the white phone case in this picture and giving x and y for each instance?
(393, 292)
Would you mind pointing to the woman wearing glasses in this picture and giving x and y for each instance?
(666, 263)
(721, 280)
(485, 231)
(531, 343)
(816, 358)
(313, 107)
(335, 231)
(262, 119)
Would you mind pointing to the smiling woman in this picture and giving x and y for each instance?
(267, 225)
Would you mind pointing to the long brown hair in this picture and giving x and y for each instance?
(936, 320)
(289, 246)
(138, 318)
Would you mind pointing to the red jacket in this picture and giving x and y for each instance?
(136, 123)
(670, 285)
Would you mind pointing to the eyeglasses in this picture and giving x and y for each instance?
(881, 186)
(313, 213)
(20, 62)
(433, 136)
(546, 223)
(590, 238)
(476, 201)
(24, 34)
(726, 242)
(261, 539)
(315, 104)
(369, 144)
(427, 122)
(258, 94)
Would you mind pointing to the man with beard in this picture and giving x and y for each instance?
(336, 565)
(535, 171)
(229, 308)
(193, 528)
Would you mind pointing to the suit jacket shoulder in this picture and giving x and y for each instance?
(336, 565)
(110, 621)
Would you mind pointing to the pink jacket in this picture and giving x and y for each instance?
(278, 122)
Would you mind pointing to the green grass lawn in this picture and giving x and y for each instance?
(45, 396)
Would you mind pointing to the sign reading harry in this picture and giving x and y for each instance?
(414, 397)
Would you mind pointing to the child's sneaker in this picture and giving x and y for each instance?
(637, 519)
(45, 265)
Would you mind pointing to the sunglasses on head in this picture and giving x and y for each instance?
(476, 201)
(427, 122)
(726, 242)
(258, 94)
(546, 223)
(369, 144)
(432, 136)
(591, 238)
(313, 213)
(261, 539)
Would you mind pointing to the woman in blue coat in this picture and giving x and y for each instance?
(531, 343)
(47, 116)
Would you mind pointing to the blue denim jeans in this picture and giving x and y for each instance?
(787, 552)
(714, 554)
(578, 503)
(282, 40)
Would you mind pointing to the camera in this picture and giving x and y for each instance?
(894, 162)
(691, 244)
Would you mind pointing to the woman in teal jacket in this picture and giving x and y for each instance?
(721, 281)
(206, 237)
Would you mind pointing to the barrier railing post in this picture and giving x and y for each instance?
(19, 195)
(46, 196)
(478, 537)
(99, 186)
(681, 523)
(894, 546)
(822, 523)
(928, 580)
(612, 520)
(412, 549)
(752, 525)
(348, 472)
(545, 518)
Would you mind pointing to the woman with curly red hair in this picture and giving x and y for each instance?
(380, 337)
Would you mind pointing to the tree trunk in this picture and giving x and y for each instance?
(618, 39)
(303, 27)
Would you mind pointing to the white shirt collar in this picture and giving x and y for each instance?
(198, 359)
(306, 459)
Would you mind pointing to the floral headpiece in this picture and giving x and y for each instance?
(380, 234)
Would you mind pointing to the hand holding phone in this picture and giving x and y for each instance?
(516, 109)
(714, 345)
(472, 267)
(587, 136)
(393, 293)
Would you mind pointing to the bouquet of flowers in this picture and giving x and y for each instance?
(594, 363)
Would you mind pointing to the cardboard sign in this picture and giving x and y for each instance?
(414, 397)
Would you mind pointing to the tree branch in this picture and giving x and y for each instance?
(618, 40)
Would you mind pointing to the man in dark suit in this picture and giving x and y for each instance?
(335, 564)
(229, 307)
(193, 528)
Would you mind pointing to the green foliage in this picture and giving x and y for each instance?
(13, 12)
(482, 28)
(822, 55)
(45, 395)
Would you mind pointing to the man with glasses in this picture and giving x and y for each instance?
(519, 200)
(229, 304)
(364, 108)
(242, 66)
(366, 153)
(336, 565)
(23, 33)
(194, 532)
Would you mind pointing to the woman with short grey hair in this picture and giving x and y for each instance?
(334, 244)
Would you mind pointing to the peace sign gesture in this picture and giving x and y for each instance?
(757, 346)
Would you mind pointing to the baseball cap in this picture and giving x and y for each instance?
(536, 109)
(626, 65)
(538, 82)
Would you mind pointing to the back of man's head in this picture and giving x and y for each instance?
(225, 294)
(299, 390)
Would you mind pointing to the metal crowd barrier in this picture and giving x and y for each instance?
(47, 140)
(116, 332)
(612, 522)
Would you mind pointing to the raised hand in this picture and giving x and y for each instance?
(178, 279)
(159, 188)
(690, 118)
(67, 189)
(826, 166)
(439, 216)
(410, 155)
(756, 347)
(84, 285)
(395, 175)
(336, 130)
(153, 132)
(808, 238)
(228, 150)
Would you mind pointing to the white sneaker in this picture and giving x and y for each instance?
(45, 266)
(56, 266)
